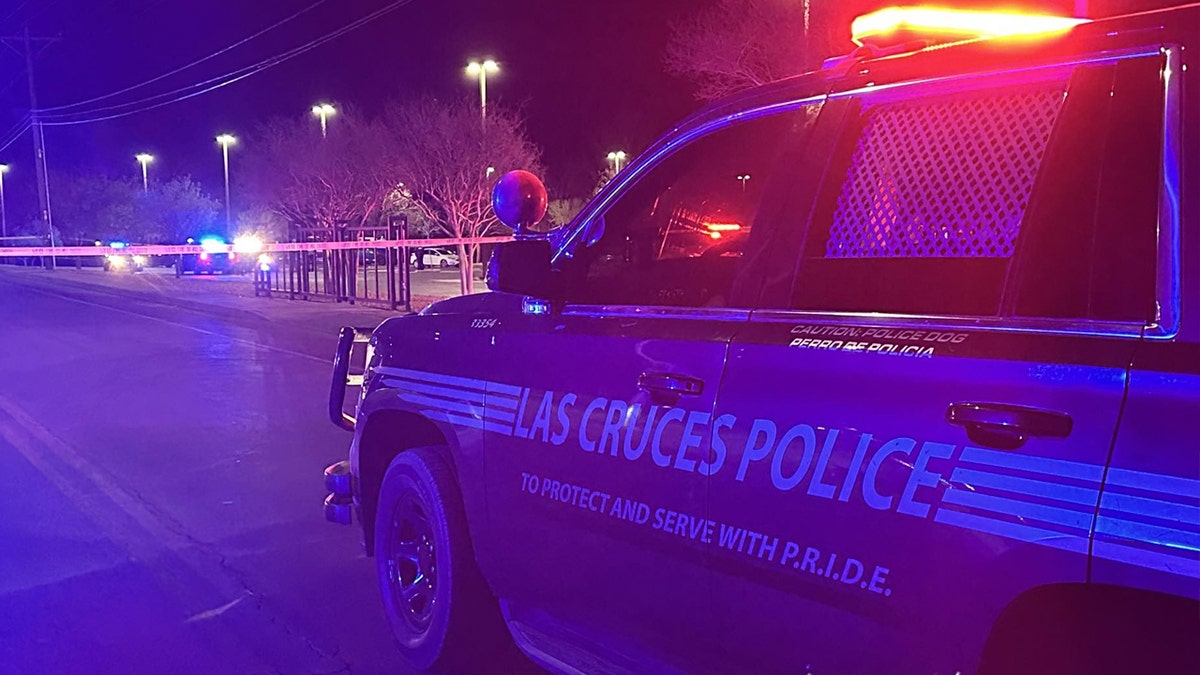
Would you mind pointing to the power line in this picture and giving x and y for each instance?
(15, 11)
(212, 84)
(14, 133)
(197, 62)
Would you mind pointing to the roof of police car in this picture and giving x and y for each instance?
(980, 55)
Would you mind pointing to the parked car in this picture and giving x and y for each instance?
(922, 405)
(435, 257)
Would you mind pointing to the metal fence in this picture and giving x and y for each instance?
(372, 275)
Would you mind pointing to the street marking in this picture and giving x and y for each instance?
(160, 536)
(213, 613)
(189, 571)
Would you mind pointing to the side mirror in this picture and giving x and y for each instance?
(522, 267)
(519, 200)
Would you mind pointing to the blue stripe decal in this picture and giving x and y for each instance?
(435, 378)
(496, 427)
(505, 389)
(464, 408)
(482, 425)
(1000, 528)
(1153, 508)
(454, 381)
(1184, 487)
(448, 406)
(454, 419)
(1150, 534)
(1053, 467)
(501, 401)
(451, 394)
(1020, 509)
(1171, 564)
(1027, 486)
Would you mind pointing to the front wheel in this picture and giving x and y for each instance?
(441, 612)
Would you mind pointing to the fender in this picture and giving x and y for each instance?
(1096, 629)
(388, 425)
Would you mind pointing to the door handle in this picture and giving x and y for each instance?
(670, 385)
(1005, 426)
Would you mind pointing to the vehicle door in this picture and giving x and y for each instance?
(917, 438)
(1148, 525)
(598, 495)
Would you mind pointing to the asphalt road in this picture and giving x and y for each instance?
(162, 471)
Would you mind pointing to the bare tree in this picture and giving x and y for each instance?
(730, 45)
(315, 181)
(446, 161)
(734, 44)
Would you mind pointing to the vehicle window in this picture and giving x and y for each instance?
(677, 236)
(1092, 239)
(988, 202)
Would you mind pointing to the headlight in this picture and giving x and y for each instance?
(265, 262)
(139, 260)
(116, 261)
(248, 243)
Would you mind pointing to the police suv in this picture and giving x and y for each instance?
(887, 368)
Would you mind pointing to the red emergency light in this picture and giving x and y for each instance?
(899, 25)
(722, 227)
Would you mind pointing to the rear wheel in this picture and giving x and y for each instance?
(441, 612)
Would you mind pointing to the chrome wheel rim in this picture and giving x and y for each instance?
(412, 562)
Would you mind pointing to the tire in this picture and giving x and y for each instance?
(442, 614)
(443, 263)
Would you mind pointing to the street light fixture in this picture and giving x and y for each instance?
(324, 111)
(617, 158)
(3, 213)
(144, 158)
(744, 177)
(481, 70)
(227, 140)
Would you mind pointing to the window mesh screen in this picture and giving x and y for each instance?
(944, 178)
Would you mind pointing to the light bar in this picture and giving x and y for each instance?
(896, 25)
(722, 227)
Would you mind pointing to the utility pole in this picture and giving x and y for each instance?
(39, 137)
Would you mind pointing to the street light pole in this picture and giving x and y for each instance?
(617, 158)
(144, 159)
(481, 70)
(323, 111)
(227, 140)
(3, 213)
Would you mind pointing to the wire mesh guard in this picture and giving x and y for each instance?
(949, 177)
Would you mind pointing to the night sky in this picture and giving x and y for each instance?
(588, 75)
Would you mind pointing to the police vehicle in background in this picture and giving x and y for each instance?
(916, 398)
(120, 261)
(213, 259)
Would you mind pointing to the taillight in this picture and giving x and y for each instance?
(232, 257)
(204, 256)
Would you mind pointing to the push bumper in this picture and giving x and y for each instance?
(339, 504)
